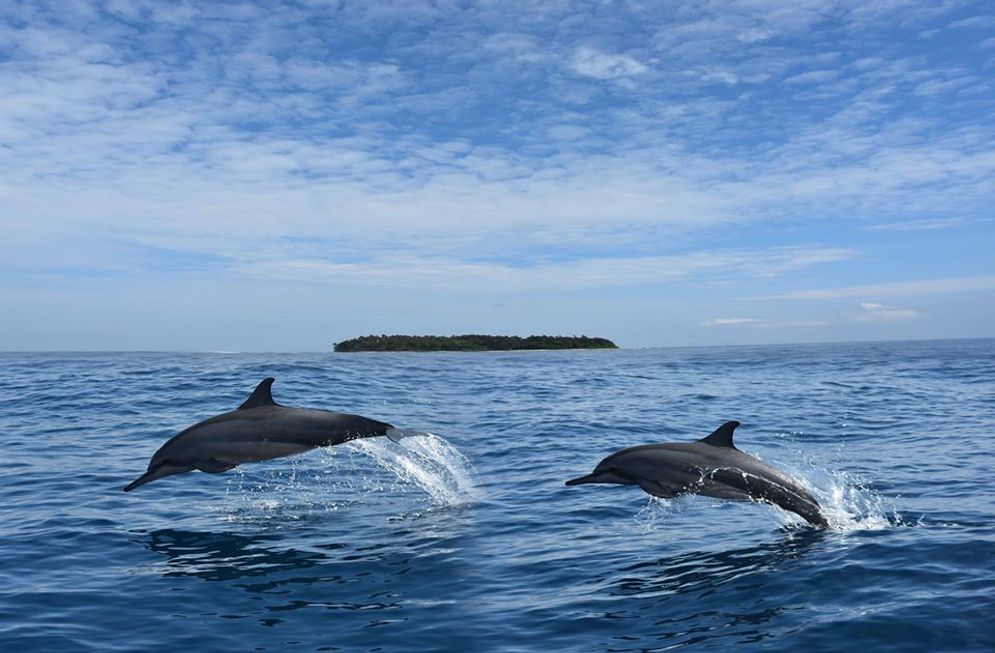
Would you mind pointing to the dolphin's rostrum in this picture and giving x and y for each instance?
(260, 429)
(713, 467)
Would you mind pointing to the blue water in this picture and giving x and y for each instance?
(469, 541)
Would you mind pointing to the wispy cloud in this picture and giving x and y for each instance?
(554, 146)
(495, 276)
(918, 225)
(600, 65)
(897, 289)
(879, 312)
(762, 323)
(974, 22)
(813, 77)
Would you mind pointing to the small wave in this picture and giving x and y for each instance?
(276, 495)
(651, 517)
(850, 504)
(305, 489)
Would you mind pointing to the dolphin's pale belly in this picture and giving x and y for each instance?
(238, 452)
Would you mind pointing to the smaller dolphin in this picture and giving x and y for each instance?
(260, 429)
(713, 467)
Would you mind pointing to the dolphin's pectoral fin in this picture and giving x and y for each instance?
(659, 490)
(214, 466)
(711, 488)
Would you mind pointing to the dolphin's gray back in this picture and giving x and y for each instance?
(265, 432)
(260, 429)
(301, 426)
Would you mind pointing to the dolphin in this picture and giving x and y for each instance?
(713, 467)
(259, 429)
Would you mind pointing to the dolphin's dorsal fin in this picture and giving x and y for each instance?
(722, 436)
(261, 396)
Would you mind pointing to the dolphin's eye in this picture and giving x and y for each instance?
(617, 471)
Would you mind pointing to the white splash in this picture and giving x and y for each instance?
(651, 517)
(337, 478)
(426, 461)
(850, 504)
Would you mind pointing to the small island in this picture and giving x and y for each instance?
(470, 342)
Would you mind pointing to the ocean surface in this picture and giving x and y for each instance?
(468, 540)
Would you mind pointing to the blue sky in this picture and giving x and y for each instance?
(282, 176)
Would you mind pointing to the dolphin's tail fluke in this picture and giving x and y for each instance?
(396, 435)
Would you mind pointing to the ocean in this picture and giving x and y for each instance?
(468, 540)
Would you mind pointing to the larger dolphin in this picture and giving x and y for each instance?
(260, 429)
(712, 466)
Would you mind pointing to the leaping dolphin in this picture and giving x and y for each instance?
(713, 467)
(260, 429)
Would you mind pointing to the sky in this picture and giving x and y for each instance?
(281, 176)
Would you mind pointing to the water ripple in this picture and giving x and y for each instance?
(468, 540)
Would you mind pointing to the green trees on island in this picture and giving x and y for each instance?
(470, 342)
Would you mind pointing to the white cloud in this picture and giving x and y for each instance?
(813, 77)
(918, 225)
(873, 312)
(733, 321)
(718, 75)
(410, 140)
(593, 273)
(326, 136)
(974, 22)
(601, 65)
(762, 323)
(897, 289)
(754, 35)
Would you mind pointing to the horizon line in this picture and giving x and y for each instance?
(332, 351)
